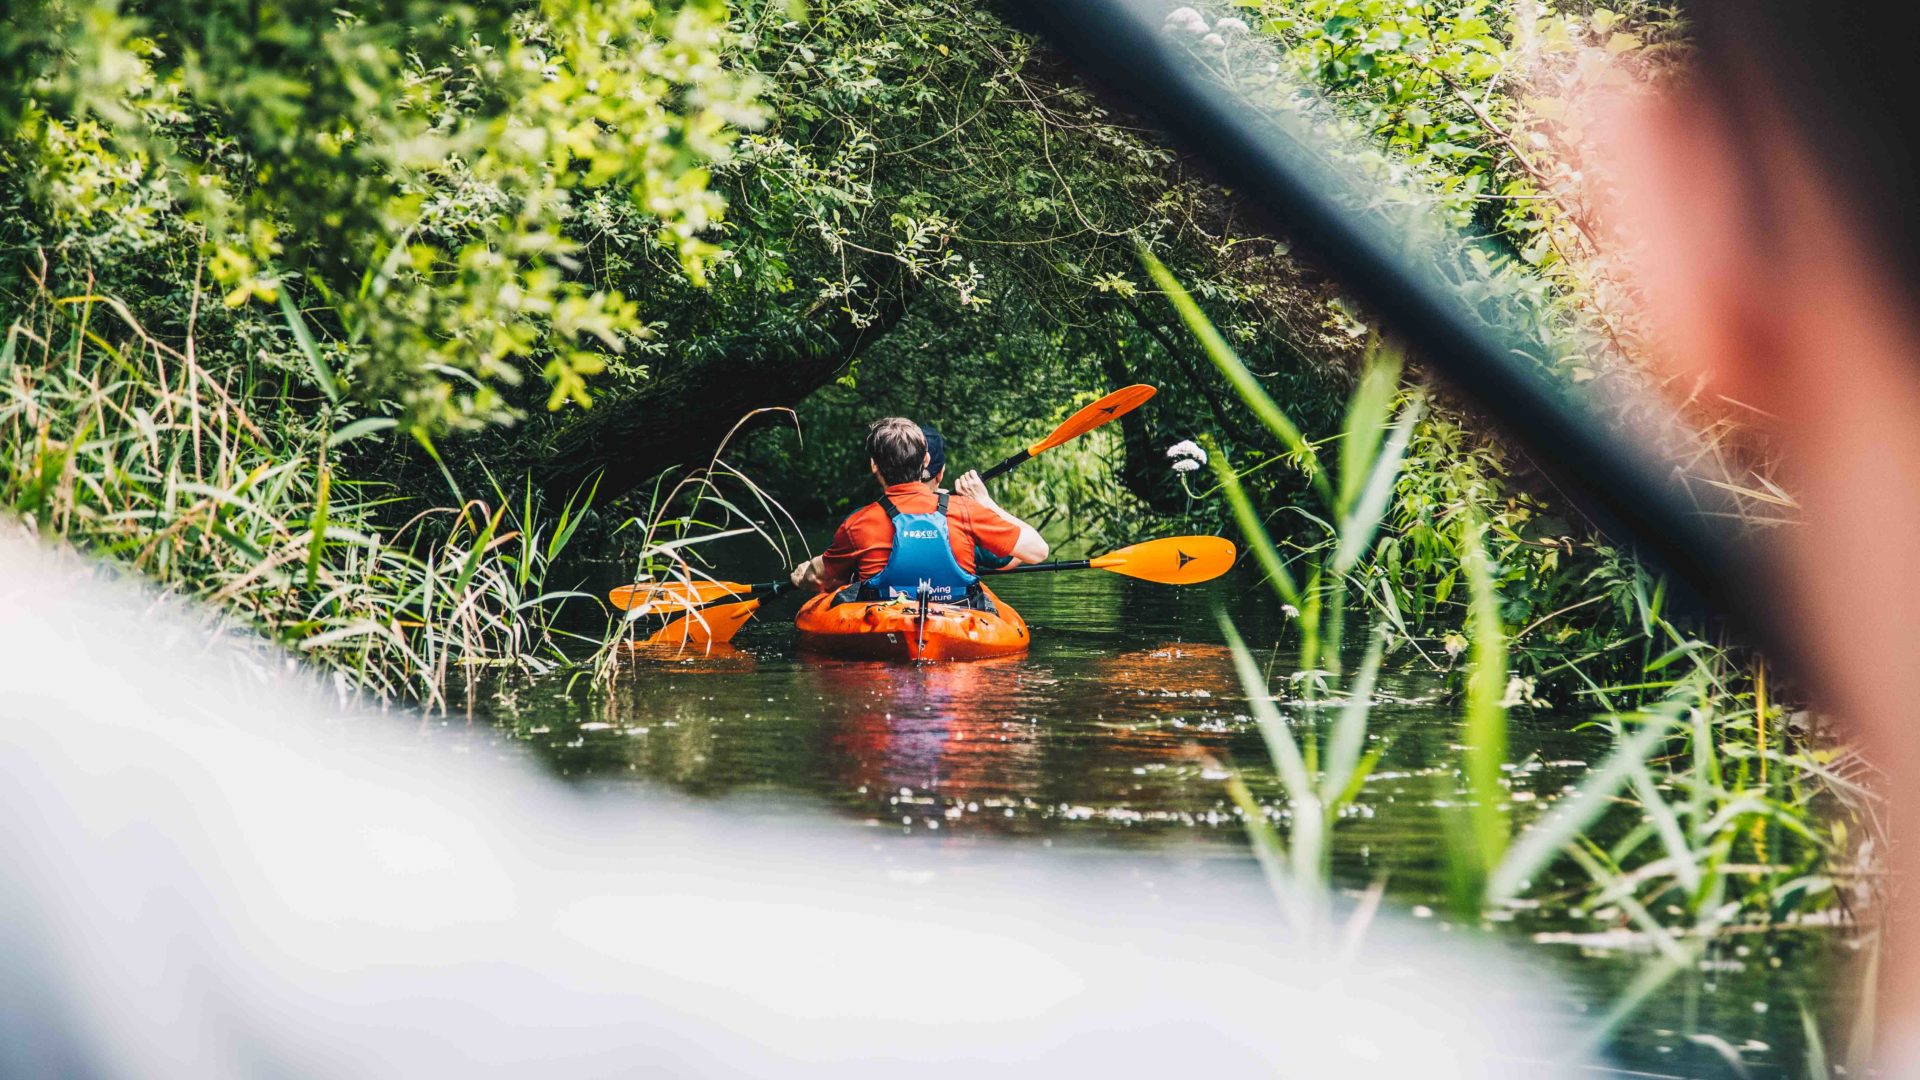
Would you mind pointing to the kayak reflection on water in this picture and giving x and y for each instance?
(713, 658)
(931, 734)
(962, 745)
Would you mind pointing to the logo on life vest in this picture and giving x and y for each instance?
(918, 534)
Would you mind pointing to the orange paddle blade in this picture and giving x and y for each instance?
(708, 626)
(1175, 560)
(667, 595)
(1114, 405)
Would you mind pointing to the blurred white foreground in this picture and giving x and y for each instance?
(209, 871)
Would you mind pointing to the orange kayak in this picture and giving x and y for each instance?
(892, 630)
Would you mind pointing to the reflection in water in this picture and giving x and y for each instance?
(688, 658)
(1172, 670)
(934, 740)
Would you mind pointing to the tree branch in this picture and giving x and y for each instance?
(680, 416)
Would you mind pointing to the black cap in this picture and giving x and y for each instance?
(936, 452)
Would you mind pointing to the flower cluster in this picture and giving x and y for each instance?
(1190, 21)
(1186, 454)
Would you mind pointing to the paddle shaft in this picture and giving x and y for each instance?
(775, 588)
(1007, 465)
(1033, 568)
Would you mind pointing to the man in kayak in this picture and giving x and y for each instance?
(912, 537)
(936, 478)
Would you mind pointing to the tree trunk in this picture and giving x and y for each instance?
(680, 417)
(1144, 468)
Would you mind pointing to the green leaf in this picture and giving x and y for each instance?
(361, 427)
(304, 339)
(1367, 411)
(1357, 531)
(1539, 845)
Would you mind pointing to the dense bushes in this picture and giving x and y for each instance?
(248, 249)
(420, 178)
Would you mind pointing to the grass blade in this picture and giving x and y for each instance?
(308, 348)
(1349, 736)
(1538, 846)
(1308, 839)
(318, 545)
(1484, 729)
(1244, 383)
(1363, 520)
(1366, 422)
(1252, 529)
(1667, 826)
(1817, 1064)
(1287, 760)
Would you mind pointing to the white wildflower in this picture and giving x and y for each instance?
(1187, 456)
(1520, 692)
(1188, 453)
(1215, 40)
(1185, 18)
(1230, 25)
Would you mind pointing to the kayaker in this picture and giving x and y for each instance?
(936, 477)
(914, 536)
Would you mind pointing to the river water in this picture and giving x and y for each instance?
(1113, 736)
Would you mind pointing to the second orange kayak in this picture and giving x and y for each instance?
(893, 630)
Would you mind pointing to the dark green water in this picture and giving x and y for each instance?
(1112, 737)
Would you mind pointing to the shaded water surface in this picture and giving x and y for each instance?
(1113, 736)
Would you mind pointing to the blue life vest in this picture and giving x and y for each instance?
(922, 555)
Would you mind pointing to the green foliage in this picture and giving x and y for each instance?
(926, 146)
(113, 439)
(419, 177)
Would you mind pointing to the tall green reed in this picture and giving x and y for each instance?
(126, 444)
(1693, 820)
